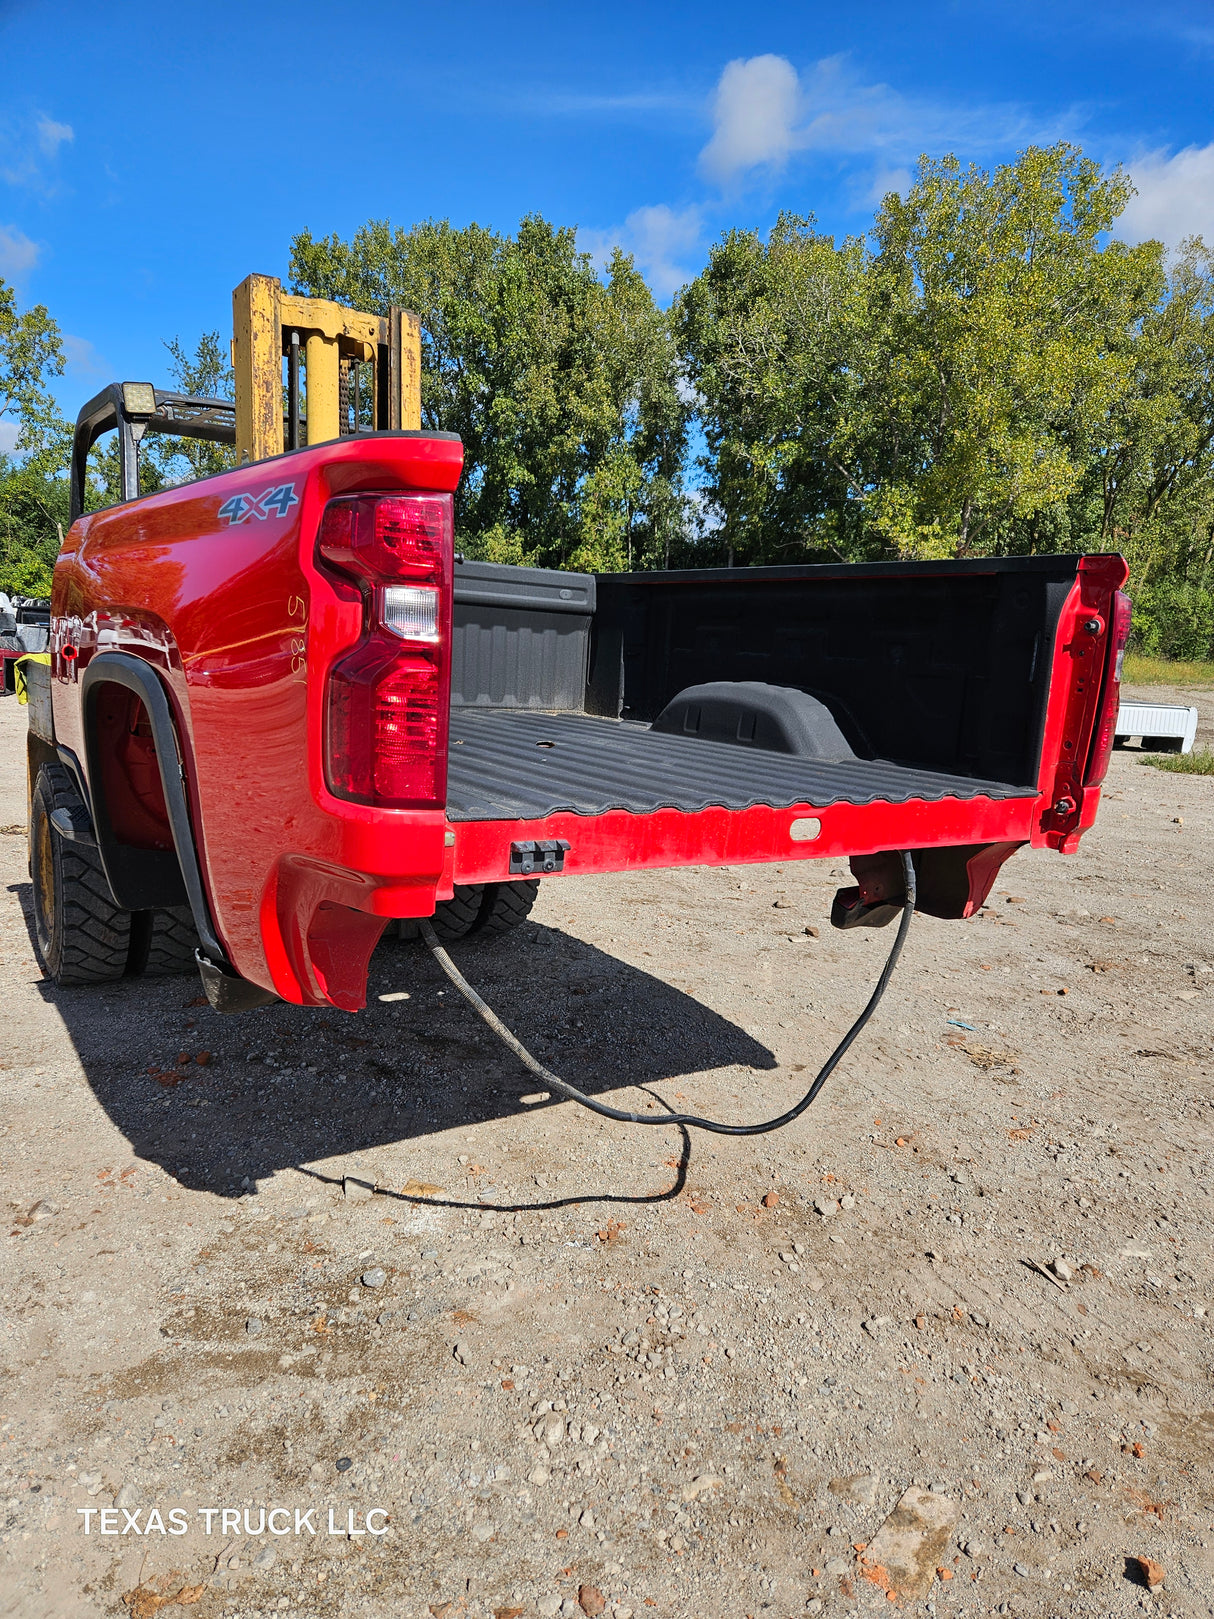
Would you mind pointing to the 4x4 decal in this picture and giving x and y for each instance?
(275, 502)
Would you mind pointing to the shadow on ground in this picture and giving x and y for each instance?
(222, 1103)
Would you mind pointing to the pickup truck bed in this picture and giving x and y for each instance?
(280, 699)
(520, 765)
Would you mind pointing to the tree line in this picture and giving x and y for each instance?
(988, 371)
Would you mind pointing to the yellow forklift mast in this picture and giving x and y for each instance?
(345, 371)
(306, 371)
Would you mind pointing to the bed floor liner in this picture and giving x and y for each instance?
(510, 764)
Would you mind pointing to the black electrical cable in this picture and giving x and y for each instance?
(689, 1120)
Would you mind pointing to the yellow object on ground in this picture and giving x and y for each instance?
(19, 677)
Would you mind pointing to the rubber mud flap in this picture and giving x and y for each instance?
(850, 910)
(228, 993)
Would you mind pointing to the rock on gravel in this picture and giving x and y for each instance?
(904, 1553)
(1149, 1572)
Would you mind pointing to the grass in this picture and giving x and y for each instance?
(1140, 671)
(1198, 763)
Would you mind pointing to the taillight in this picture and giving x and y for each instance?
(1110, 694)
(388, 700)
(383, 537)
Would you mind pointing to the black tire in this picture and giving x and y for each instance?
(172, 944)
(455, 918)
(481, 910)
(505, 905)
(83, 936)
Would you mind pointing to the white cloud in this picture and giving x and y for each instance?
(763, 111)
(51, 136)
(83, 359)
(1175, 196)
(30, 151)
(660, 239)
(17, 253)
(9, 432)
(755, 111)
(885, 181)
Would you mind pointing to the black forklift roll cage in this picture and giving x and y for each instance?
(134, 409)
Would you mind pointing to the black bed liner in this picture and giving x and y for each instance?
(501, 769)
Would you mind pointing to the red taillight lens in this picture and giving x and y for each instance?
(389, 698)
(1110, 693)
(381, 537)
(387, 727)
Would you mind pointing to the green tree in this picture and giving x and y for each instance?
(778, 343)
(943, 390)
(563, 385)
(1149, 489)
(33, 494)
(1012, 323)
(204, 374)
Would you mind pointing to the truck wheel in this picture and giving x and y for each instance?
(83, 936)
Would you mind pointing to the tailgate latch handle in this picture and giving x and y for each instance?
(542, 855)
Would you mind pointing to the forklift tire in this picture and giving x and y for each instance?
(458, 916)
(505, 905)
(172, 941)
(453, 918)
(82, 935)
(481, 910)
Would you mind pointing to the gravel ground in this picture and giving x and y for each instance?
(339, 1265)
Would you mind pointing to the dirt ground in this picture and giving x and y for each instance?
(355, 1268)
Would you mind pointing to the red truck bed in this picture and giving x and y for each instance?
(968, 702)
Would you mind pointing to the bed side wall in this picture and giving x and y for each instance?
(941, 666)
(521, 637)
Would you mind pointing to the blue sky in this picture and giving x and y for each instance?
(152, 156)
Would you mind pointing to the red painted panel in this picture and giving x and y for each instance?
(233, 614)
(1081, 650)
(620, 841)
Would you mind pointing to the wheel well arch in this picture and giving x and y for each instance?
(130, 818)
(137, 797)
